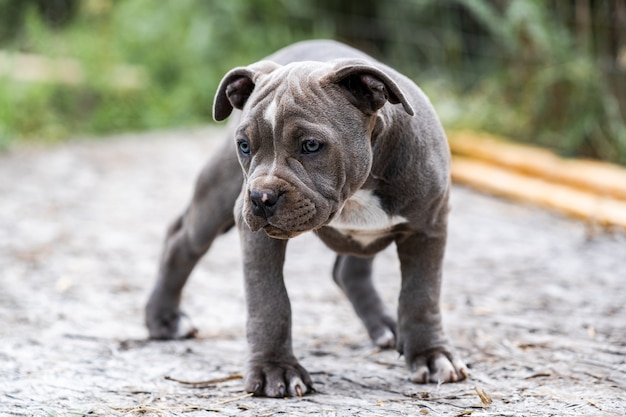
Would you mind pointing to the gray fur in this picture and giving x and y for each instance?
(381, 176)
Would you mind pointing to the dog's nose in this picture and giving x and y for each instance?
(263, 202)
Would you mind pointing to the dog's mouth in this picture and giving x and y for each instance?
(284, 211)
(276, 233)
(291, 216)
(272, 229)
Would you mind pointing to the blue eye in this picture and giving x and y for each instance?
(311, 146)
(244, 147)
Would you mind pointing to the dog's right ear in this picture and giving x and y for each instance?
(236, 87)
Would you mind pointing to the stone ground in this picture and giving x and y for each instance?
(534, 302)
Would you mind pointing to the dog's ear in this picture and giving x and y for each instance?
(236, 87)
(367, 87)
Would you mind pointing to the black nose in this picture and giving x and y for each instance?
(263, 203)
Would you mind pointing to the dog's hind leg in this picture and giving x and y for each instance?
(354, 277)
(189, 237)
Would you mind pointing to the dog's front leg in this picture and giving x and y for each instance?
(421, 339)
(272, 370)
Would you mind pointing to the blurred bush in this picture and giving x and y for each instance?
(543, 71)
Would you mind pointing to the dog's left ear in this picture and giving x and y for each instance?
(236, 87)
(367, 87)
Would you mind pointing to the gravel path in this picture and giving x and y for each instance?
(533, 301)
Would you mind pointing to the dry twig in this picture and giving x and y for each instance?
(485, 398)
(207, 383)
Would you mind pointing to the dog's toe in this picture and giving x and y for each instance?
(170, 325)
(186, 329)
(278, 379)
(382, 330)
(385, 340)
(437, 366)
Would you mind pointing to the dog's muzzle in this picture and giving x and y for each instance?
(283, 212)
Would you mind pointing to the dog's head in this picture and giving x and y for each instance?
(304, 137)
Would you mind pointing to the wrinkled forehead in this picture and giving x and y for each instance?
(291, 90)
(294, 74)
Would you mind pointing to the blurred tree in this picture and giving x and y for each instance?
(54, 12)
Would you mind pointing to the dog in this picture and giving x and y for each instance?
(326, 140)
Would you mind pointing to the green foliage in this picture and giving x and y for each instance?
(534, 76)
(549, 89)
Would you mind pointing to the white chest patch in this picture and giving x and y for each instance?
(270, 114)
(363, 219)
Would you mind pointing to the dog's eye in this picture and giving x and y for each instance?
(244, 147)
(311, 146)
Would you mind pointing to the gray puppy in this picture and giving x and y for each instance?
(331, 141)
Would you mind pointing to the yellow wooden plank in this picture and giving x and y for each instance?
(598, 177)
(602, 210)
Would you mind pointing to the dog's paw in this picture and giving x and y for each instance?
(278, 379)
(382, 331)
(437, 365)
(170, 324)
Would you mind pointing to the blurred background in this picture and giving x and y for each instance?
(549, 72)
